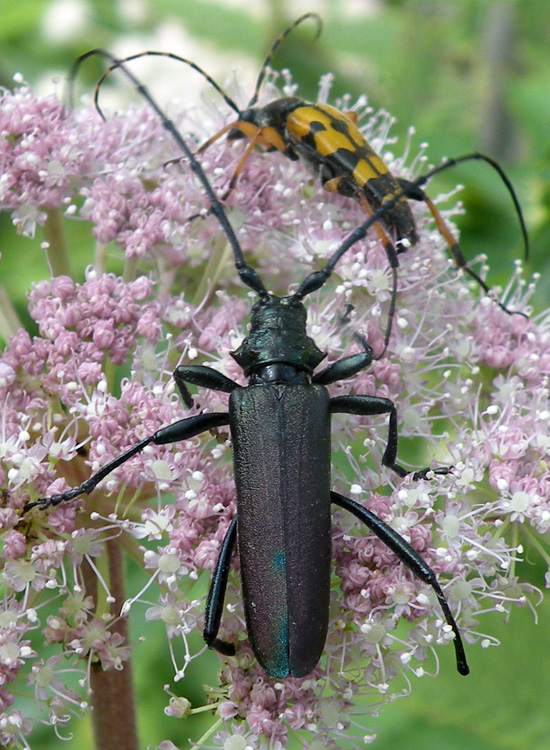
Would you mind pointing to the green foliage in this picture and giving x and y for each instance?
(499, 706)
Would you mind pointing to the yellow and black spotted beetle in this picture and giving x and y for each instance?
(331, 145)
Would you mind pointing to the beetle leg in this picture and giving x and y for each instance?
(346, 367)
(216, 594)
(391, 255)
(343, 186)
(201, 148)
(370, 406)
(336, 185)
(332, 184)
(416, 193)
(214, 138)
(267, 137)
(351, 114)
(205, 377)
(181, 430)
(380, 231)
(254, 139)
(411, 559)
(185, 393)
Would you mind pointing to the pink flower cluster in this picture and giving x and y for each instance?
(470, 384)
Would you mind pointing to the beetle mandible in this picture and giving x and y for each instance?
(280, 428)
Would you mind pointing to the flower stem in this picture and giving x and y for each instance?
(207, 734)
(216, 263)
(113, 700)
(57, 253)
(9, 320)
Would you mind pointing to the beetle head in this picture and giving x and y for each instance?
(272, 115)
(278, 335)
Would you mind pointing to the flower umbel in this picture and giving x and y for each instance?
(470, 382)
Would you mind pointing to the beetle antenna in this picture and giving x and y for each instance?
(391, 313)
(273, 48)
(120, 62)
(316, 279)
(413, 189)
(155, 53)
(452, 162)
(246, 273)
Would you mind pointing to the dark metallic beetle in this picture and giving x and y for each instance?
(280, 428)
(329, 143)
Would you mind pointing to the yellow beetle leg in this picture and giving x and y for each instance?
(332, 185)
(351, 114)
(454, 247)
(240, 164)
(394, 264)
(215, 137)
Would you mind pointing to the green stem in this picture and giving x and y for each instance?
(213, 270)
(9, 321)
(130, 269)
(100, 255)
(207, 734)
(534, 542)
(57, 253)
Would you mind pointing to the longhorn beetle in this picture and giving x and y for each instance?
(280, 428)
(334, 149)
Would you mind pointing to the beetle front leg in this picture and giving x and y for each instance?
(370, 406)
(349, 366)
(216, 594)
(181, 430)
(204, 377)
(412, 560)
(346, 367)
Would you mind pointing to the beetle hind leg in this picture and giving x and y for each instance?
(416, 193)
(412, 560)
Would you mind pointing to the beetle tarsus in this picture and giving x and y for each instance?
(439, 470)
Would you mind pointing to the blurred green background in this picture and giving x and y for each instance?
(469, 75)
